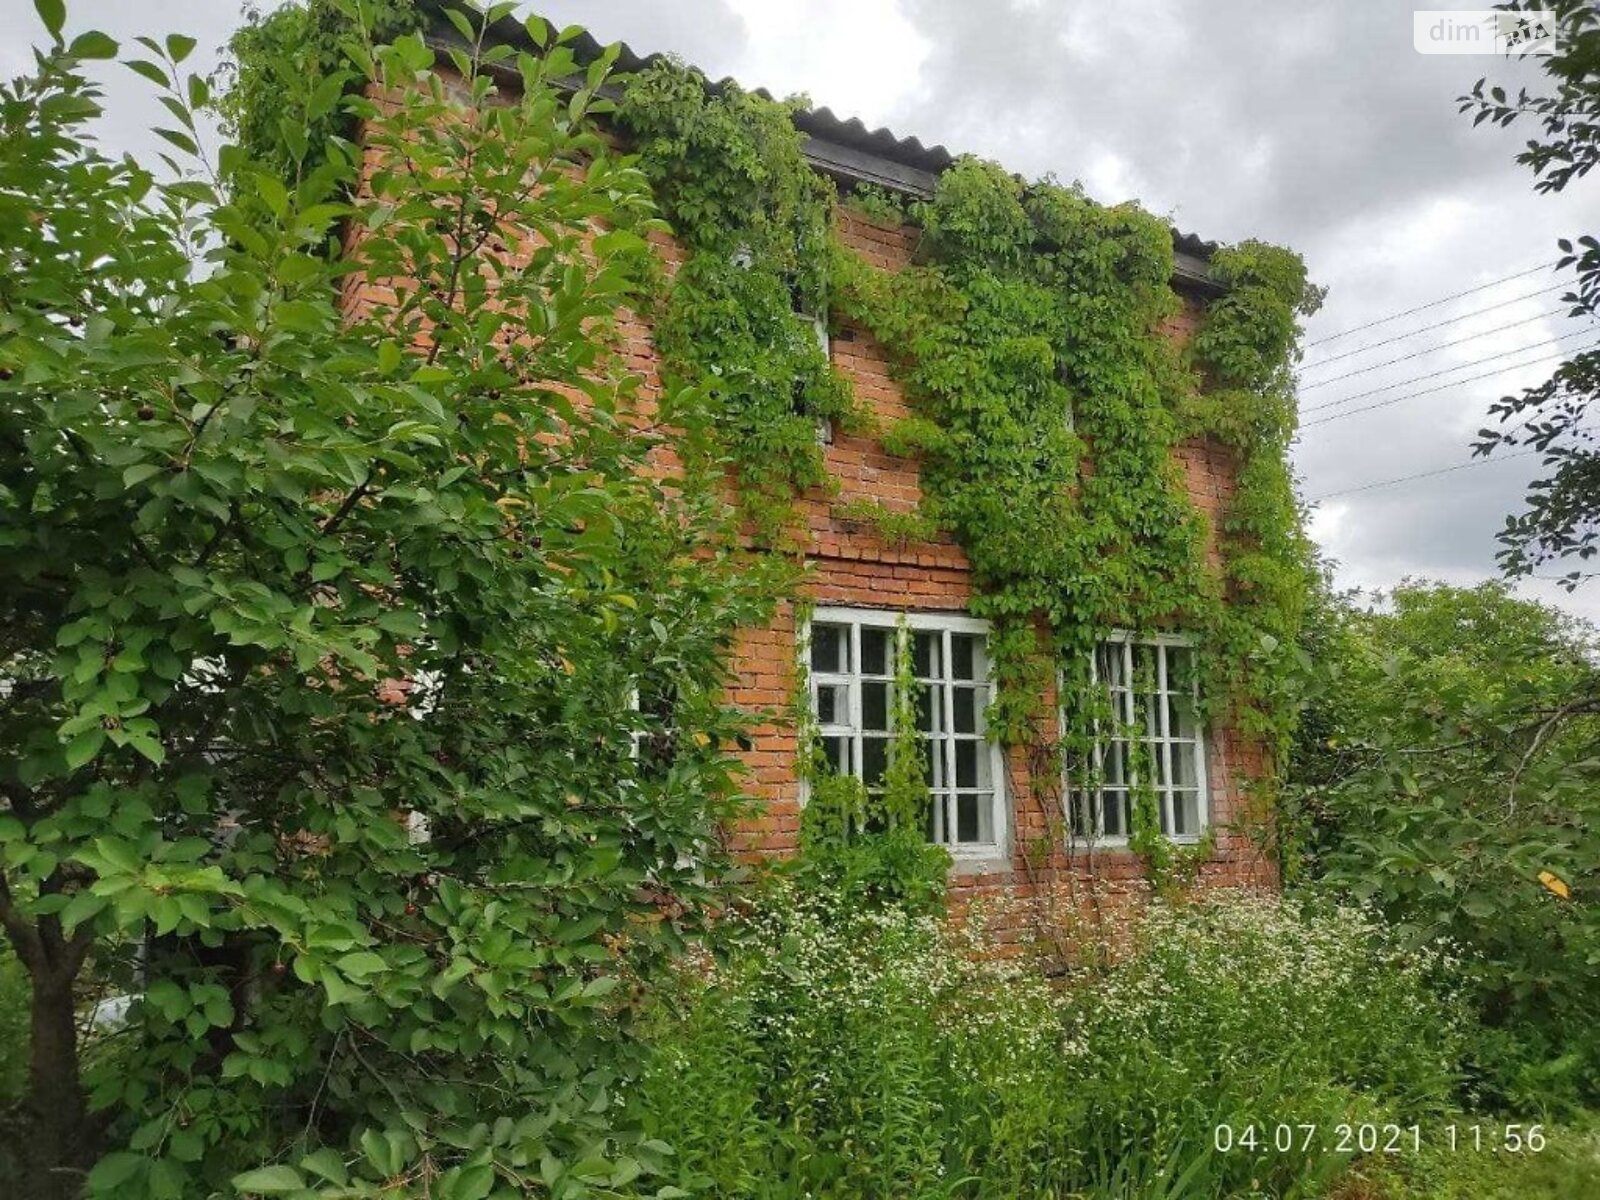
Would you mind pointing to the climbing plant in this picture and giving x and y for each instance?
(1051, 404)
(871, 847)
(288, 69)
(1033, 337)
(743, 319)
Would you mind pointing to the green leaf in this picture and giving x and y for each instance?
(382, 1151)
(269, 1181)
(54, 15)
(114, 1170)
(179, 46)
(84, 747)
(93, 44)
(138, 473)
(474, 1183)
(463, 26)
(361, 964)
(81, 908)
(148, 69)
(327, 1163)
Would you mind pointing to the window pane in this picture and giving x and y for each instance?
(965, 657)
(1115, 768)
(829, 649)
(837, 751)
(831, 708)
(964, 710)
(1184, 774)
(926, 700)
(874, 760)
(1182, 720)
(874, 705)
(925, 654)
(1108, 663)
(972, 818)
(1180, 669)
(972, 764)
(1146, 717)
(932, 764)
(1079, 813)
(875, 656)
(1186, 813)
(1114, 809)
(1145, 677)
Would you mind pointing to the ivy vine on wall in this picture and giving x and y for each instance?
(1050, 402)
(743, 315)
(1050, 405)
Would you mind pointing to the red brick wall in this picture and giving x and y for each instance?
(852, 567)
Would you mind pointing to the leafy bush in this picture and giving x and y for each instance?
(361, 667)
(1448, 777)
(843, 1052)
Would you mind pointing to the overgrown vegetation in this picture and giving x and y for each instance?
(743, 315)
(320, 630)
(847, 1051)
(1031, 341)
(364, 725)
(1448, 775)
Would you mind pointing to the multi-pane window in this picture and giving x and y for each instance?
(1149, 738)
(852, 661)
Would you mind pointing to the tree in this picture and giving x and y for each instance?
(1447, 772)
(1562, 515)
(360, 663)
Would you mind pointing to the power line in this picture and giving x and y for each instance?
(1383, 483)
(1400, 337)
(1441, 387)
(1333, 337)
(1477, 362)
(1389, 362)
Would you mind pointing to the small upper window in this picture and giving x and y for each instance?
(1152, 738)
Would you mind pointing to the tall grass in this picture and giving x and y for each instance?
(854, 1054)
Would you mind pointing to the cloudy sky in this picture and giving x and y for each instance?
(1316, 125)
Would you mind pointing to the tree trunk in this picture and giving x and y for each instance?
(58, 1137)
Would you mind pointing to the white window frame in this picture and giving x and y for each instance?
(890, 619)
(1162, 742)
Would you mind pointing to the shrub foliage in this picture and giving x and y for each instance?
(322, 627)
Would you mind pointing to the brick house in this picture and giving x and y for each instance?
(987, 810)
(990, 812)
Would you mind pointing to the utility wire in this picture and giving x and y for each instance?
(1389, 362)
(1477, 362)
(1332, 337)
(1400, 337)
(1441, 387)
(1383, 483)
